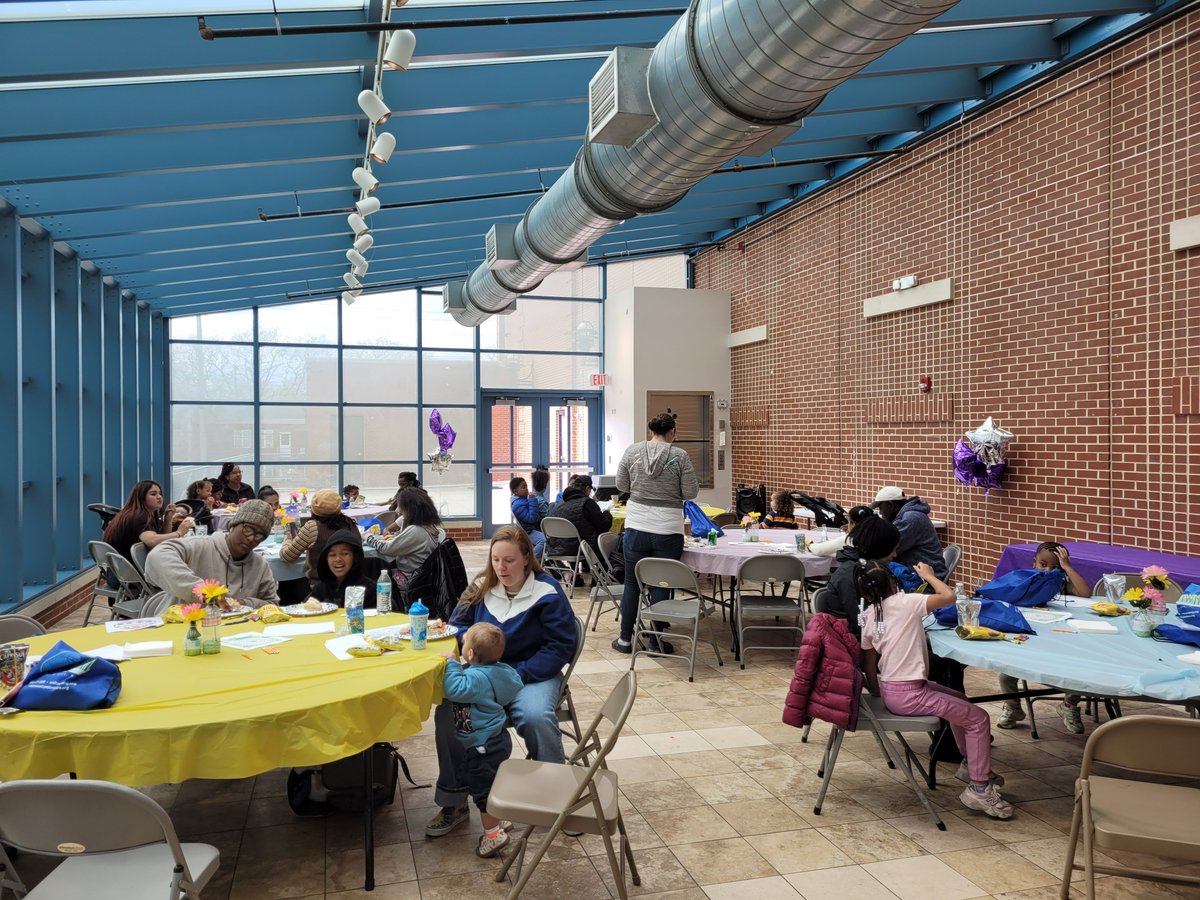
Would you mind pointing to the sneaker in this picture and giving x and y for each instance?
(989, 802)
(965, 776)
(1071, 717)
(621, 646)
(490, 846)
(658, 645)
(447, 819)
(1010, 716)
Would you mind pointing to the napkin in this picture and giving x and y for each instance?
(293, 628)
(1193, 657)
(1086, 627)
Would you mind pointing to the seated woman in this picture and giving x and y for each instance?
(270, 496)
(1050, 556)
(143, 518)
(327, 518)
(531, 609)
(229, 487)
(419, 537)
(200, 502)
(782, 513)
(403, 480)
(871, 537)
(342, 566)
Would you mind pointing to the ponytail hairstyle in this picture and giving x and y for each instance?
(875, 583)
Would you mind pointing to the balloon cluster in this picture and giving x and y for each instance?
(980, 457)
(440, 460)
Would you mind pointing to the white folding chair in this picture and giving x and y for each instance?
(138, 553)
(116, 843)
(762, 585)
(575, 796)
(564, 709)
(16, 628)
(99, 552)
(688, 605)
(563, 566)
(605, 588)
(135, 590)
(951, 554)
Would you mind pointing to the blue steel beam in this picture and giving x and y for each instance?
(129, 398)
(37, 409)
(159, 386)
(954, 49)
(91, 301)
(111, 342)
(68, 414)
(12, 498)
(144, 396)
(916, 90)
(976, 12)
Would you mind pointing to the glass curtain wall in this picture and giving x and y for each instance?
(321, 394)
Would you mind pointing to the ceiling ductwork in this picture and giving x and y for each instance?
(731, 77)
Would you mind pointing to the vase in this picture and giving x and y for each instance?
(192, 645)
(211, 631)
(753, 531)
(1141, 624)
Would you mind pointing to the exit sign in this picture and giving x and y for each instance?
(599, 379)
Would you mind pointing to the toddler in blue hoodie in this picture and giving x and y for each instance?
(480, 687)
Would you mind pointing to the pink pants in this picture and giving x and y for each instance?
(971, 724)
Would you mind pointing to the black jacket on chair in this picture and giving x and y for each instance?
(585, 514)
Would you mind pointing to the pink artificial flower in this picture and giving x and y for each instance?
(1154, 572)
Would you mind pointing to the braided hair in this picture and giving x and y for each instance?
(875, 583)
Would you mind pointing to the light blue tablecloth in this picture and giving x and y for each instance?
(1111, 665)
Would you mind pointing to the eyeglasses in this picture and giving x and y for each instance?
(252, 534)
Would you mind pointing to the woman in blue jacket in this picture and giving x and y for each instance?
(529, 606)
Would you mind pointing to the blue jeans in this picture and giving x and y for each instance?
(538, 540)
(532, 712)
(640, 545)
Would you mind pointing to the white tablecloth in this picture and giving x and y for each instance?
(287, 571)
(222, 517)
(731, 551)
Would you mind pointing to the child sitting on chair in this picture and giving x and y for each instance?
(1048, 557)
(782, 513)
(480, 687)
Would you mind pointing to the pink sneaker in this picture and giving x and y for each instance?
(989, 802)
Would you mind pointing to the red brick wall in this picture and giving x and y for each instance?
(1072, 322)
(77, 599)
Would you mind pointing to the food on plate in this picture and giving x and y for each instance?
(1105, 608)
(367, 650)
(436, 625)
(173, 613)
(271, 614)
(386, 642)
(312, 604)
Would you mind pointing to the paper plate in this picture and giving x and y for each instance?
(449, 632)
(297, 609)
(240, 611)
(1045, 616)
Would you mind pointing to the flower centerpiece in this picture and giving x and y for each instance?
(751, 524)
(304, 498)
(193, 614)
(208, 592)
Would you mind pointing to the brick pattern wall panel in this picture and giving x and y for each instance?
(1072, 322)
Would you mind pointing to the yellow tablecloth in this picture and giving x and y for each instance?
(618, 516)
(226, 716)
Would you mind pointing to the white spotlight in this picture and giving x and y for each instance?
(373, 106)
(365, 179)
(367, 206)
(381, 150)
(356, 258)
(357, 224)
(359, 271)
(400, 50)
(364, 243)
(348, 297)
(352, 281)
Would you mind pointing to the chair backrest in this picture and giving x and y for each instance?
(580, 637)
(768, 571)
(99, 552)
(616, 710)
(14, 628)
(105, 512)
(134, 589)
(601, 573)
(91, 816)
(607, 543)
(155, 605)
(388, 517)
(951, 554)
(653, 572)
(560, 528)
(819, 602)
(1171, 592)
(138, 553)
(1154, 745)
(725, 518)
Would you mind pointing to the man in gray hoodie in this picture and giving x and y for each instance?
(918, 538)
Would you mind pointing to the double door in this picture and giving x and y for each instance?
(521, 431)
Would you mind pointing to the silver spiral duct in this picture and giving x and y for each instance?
(727, 74)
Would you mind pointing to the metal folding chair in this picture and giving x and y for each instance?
(135, 590)
(99, 552)
(762, 585)
(563, 566)
(688, 605)
(605, 588)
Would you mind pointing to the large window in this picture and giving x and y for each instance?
(321, 394)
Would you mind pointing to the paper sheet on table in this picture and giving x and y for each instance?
(339, 645)
(119, 625)
(250, 640)
(1087, 627)
(291, 629)
(1193, 657)
(140, 650)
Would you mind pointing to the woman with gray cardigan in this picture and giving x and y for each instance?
(658, 478)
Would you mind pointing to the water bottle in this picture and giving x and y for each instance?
(383, 594)
(418, 619)
(354, 608)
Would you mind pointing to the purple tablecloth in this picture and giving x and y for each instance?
(731, 551)
(1094, 560)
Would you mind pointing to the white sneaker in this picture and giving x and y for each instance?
(989, 802)
(964, 775)
(1071, 717)
(1010, 716)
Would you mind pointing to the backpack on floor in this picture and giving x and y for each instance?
(337, 787)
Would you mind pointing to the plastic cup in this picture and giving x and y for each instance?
(968, 612)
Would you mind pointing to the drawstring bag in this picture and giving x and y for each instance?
(992, 614)
(699, 520)
(1177, 635)
(910, 582)
(1025, 587)
(66, 679)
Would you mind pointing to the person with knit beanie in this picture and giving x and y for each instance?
(327, 518)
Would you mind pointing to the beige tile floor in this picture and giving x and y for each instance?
(717, 795)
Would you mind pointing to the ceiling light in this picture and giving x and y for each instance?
(367, 206)
(359, 271)
(364, 243)
(348, 297)
(365, 179)
(381, 150)
(357, 224)
(352, 281)
(356, 258)
(399, 50)
(374, 107)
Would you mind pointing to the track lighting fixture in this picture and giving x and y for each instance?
(348, 297)
(367, 206)
(365, 179)
(359, 271)
(352, 281)
(381, 150)
(364, 243)
(373, 106)
(356, 258)
(357, 224)
(400, 50)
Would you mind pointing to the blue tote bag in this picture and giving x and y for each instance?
(992, 614)
(701, 523)
(1024, 587)
(66, 679)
